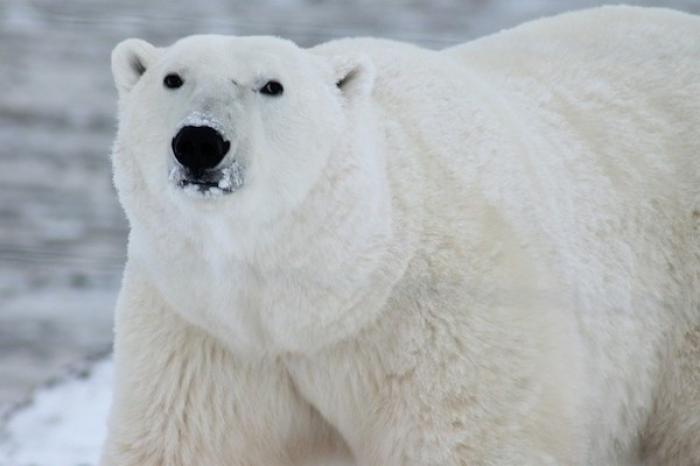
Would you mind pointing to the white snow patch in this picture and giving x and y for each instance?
(64, 426)
(195, 191)
(225, 181)
(232, 176)
(202, 119)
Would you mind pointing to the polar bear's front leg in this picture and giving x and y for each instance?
(181, 399)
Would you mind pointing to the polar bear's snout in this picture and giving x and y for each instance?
(199, 148)
(202, 162)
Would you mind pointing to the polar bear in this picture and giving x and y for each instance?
(369, 253)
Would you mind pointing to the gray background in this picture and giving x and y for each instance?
(62, 233)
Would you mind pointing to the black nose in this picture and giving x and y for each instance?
(199, 147)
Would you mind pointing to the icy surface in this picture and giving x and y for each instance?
(64, 426)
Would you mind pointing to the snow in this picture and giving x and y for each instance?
(231, 177)
(202, 119)
(64, 426)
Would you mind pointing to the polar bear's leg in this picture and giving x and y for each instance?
(673, 434)
(181, 399)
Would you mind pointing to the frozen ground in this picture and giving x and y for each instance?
(62, 234)
(64, 425)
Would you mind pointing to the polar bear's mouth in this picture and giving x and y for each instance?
(208, 183)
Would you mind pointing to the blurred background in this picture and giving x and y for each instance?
(62, 232)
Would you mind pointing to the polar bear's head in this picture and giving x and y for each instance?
(245, 122)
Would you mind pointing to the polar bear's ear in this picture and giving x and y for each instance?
(354, 75)
(130, 59)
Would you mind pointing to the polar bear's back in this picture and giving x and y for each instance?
(657, 46)
(601, 63)
(608, 101)
(619, 74)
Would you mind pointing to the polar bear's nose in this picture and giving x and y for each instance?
(199, 147)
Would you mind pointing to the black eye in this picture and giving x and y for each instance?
(272, 88)
(172, 81)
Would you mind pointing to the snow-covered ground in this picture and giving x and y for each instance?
(64, 425)
(62, 233)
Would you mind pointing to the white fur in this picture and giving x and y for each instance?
(487, 255)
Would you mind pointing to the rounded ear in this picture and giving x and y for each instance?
(354, 75)
(130, 59)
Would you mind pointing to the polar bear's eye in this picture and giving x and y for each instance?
(272, 88)
(172, 81)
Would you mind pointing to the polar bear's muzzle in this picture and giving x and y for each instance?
(200, 162)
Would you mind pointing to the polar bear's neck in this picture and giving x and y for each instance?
(332, 264)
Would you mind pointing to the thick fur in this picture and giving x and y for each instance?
(487, 255)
